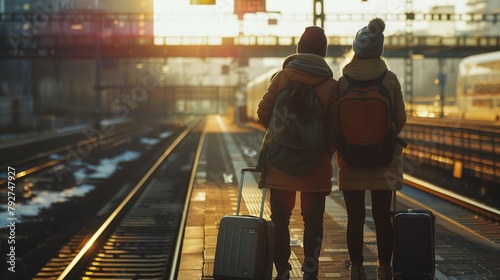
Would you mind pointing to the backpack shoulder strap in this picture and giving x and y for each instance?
(379, 84)
(381, 77)
(350, 80)
(325, 119)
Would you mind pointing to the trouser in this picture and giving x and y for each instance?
(312, 209)
(381, 211)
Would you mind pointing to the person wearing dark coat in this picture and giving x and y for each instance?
(307, 66)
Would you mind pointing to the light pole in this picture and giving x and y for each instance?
(441, 84)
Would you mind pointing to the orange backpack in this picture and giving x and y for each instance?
(367, 135)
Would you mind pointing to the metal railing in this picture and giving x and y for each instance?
(458, 149)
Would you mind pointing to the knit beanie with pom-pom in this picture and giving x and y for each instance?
(369, 41)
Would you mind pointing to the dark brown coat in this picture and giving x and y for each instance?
(308, 69)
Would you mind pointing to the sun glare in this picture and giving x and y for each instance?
(176, 18)
(180, 19)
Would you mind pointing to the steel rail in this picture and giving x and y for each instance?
(182, 227)
(82, 256)
(477, 207)
(89, 141)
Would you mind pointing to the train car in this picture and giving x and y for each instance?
(478, 87)
(477, 99)
(255, 90)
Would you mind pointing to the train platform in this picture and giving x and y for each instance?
(215, 195)
(211, 200)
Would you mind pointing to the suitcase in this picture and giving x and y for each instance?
(413, 255)
(244, 243)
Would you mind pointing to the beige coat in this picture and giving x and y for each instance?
(374, 178)
(308, 69)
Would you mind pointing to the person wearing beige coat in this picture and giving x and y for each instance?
(367, 64)
(307, 66)
(355, 178)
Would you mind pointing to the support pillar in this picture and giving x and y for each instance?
(97, 87)
(408, 88)
(318, 13)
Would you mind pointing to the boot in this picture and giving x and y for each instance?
(357, 272)
(283, 272)
(310, 275)
(310, 270)
(384, 272)
(283, 275)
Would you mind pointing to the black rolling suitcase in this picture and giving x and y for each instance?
(244, 244)
(414, 255)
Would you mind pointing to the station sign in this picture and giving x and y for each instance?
(202, 2)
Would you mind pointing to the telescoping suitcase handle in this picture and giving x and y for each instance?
(240, 191)
(394, 195)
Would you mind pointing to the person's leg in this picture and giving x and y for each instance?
(312, 210)
(355, 206)
(381, 211)
(282, 203)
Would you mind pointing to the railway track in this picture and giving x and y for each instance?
(50, 153)
(139, 237)
(471, 218)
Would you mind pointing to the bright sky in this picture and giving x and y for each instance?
(183, 19)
